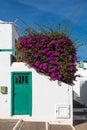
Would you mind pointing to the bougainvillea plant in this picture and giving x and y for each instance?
(53, 54)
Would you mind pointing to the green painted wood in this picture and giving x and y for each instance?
(22, 93)
(7, 50)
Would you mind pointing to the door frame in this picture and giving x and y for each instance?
(12, 90)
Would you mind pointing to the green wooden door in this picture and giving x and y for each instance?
(22, 93)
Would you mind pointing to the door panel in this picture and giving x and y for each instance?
(22, 93)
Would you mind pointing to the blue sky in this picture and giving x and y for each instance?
(53, 11)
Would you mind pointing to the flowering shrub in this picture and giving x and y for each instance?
(53, 54)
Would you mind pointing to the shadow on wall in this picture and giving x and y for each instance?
(83, 92)
(76, 96)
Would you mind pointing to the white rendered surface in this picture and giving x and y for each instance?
(47, 95)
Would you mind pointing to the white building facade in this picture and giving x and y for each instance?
(8, 35)
(80, 87)
(23, 91)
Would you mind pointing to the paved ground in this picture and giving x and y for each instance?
(82, 126)
(33, 126)
(42, 126)
(28, 125)
(60, 127)
(7, 124)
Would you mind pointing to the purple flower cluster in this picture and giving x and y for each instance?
(53, 56)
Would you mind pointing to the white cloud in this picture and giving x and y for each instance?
(60, 7)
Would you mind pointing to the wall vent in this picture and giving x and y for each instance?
(62, 111)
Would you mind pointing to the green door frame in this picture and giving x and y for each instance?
(12, 89)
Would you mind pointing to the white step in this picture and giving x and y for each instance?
(79, 109)
(80, 117)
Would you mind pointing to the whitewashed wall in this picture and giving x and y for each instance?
(15, 36)
(51, 101)
(80, 87)
(5, 81)
(47, 96)
(7, 36)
